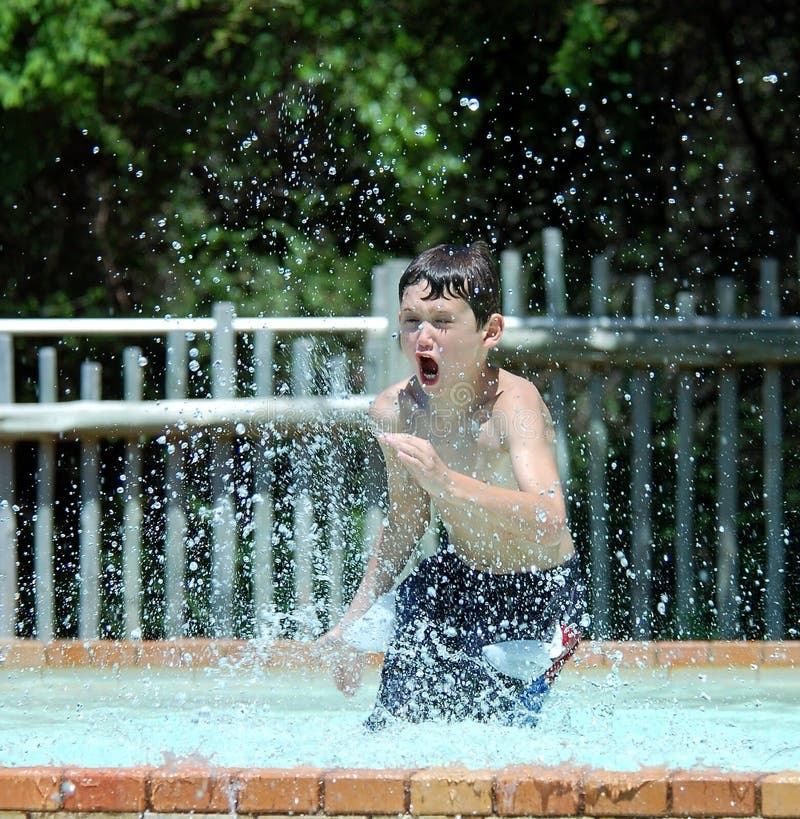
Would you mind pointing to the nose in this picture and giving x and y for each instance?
(424, 335)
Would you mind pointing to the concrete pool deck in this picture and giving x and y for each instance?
(195, 788)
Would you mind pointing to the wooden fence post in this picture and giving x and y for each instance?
(383, 363)
(43, 531)
(600, 568)
(132, 515)
(90, 515)
(685, 601)
(175, 495)
(556, 290)
(263, 510)
(727, 480)
(8, 518)
(642, 476)
(304, 530)
(514, 291)
(383, 360)
(774, 604)
(337, 378)
(223, 528)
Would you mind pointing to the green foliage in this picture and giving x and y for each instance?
(260, 153)
(167, 154)
(51, 52)
(159, 155)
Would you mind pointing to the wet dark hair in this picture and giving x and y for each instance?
(465, 272)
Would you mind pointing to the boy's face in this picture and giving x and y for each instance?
(440, 337)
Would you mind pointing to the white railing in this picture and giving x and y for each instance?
(237, 495)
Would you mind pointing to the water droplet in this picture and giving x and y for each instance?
(580, 141)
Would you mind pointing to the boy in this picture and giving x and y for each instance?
(476, 444)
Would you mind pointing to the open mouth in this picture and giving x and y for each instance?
(428, 370)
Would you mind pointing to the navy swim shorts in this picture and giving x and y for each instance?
(446, 612)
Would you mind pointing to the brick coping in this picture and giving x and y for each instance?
(193, 788)
(203, 653)
(518, 790)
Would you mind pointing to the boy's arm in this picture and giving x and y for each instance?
(407, 518)
(534, 511)
(406, 521)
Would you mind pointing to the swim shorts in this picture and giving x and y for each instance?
(446, 612)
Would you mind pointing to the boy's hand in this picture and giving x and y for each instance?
(420, 459)
(345, 663)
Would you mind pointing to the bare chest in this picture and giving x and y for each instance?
(473, 447)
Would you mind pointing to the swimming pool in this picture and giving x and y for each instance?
(619, 710)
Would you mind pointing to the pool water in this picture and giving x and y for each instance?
(737, 719)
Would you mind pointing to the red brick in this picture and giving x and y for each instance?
(682, 653)
(530, 790)
(451, 790)
(608, 653)
(189, 652)
(785, 653)
(278, 790)
(366, 791)
(780, 794)
(21, 654)
(635, 654)
(591, 654)
(110, 653)
(735, 652)
(294, 654)
(713, 793)
(163, 654)
(30, 789)
(67, 654)
(106, 789)
(625, 793)
(196, 789)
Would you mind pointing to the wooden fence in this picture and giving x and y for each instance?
(230, 484)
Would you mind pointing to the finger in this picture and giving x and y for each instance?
(401, 447)
(347, 672)
(401, 438)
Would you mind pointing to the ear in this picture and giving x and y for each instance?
(493, 330)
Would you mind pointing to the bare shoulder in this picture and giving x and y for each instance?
(391, 407)
(520, 402)
(514, 390)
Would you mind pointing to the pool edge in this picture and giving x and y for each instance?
(517, 790)
(202, 652)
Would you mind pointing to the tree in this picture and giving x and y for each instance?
(170, 154)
